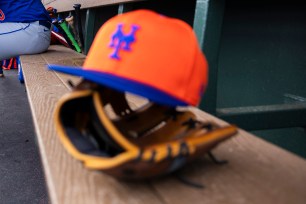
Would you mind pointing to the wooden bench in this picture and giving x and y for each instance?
(68, 5)
(257, 172)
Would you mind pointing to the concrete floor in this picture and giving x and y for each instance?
(21, 175)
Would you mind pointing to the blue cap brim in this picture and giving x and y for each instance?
(121, 84)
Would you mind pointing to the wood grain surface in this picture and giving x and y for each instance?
(67, 5)
(257, 172)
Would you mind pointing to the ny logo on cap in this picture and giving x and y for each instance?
(121, 41)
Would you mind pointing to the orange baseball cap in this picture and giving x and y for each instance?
(148, 54)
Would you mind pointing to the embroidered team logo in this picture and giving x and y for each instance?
(2, 16)
(121, 41)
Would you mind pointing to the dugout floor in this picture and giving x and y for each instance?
(21, 174)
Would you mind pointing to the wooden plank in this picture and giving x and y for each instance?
(68, 5)
(258, 172)
(68, 181)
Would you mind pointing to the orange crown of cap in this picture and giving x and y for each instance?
(151, 49)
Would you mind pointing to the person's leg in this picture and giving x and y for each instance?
(23, 38)
(1, 69)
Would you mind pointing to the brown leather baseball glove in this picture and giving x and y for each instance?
(149, 141)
